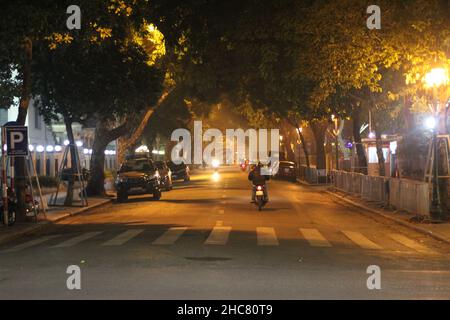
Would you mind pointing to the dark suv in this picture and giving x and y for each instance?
(138, 176)
(179, 171)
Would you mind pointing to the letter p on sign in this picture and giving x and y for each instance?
(17, 140)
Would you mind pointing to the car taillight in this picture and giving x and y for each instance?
(259, 188)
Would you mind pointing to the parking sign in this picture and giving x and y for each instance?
(16, 140)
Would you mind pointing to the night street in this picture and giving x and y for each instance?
(205, 240)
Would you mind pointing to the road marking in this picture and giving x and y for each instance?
(123, 237)
(219, 235)
(75, 240)
(407, 242)
(361, 240)
(314, 237)
(170, 236)
(266, 236)
(30, 244)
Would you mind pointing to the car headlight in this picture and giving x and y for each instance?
(215, 163)
(120, 180)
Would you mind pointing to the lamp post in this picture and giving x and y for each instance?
(336, 134)
(436, 78)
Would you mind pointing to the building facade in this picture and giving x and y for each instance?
(48, 142)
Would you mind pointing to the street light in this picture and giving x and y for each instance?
(336, 134)
(434, 79)
(430, 123)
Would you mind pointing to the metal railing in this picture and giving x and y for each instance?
(403, 194)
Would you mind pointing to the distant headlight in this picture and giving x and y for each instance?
(215, 163)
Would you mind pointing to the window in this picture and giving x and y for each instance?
(37, 119)
(38, 166)
(373, 157)
(47, 167)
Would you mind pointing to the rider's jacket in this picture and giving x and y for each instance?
(256, 177)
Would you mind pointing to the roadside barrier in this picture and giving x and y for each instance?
(403, 194)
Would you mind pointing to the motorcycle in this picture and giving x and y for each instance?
(31, 205)
(260, 198)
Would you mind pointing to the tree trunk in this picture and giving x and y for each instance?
(362, 160)
(97, 175)
(103, 136)
(304, 147)
(26, 84)
(287, 149)
(318, 129)
(125, 143)
(379, 146)
(19, 162)
(73, 160)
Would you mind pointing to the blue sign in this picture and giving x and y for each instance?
(16, 140)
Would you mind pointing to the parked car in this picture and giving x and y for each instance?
(138, 176)
(287, 170)
(165, 173)
(179, 171)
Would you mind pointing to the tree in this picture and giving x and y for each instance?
(109, 76)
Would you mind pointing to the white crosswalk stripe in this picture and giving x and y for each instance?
(314, 237)
(361, 240)
(123, 237)
(76, 240)
(407, 242)
(170, 236)
(266, 236)
(219, 235)
(29, 244)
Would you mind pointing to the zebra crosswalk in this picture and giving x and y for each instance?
(75, 240)
(220, 235)
(170, 236)
(123, 237)
(314, 237)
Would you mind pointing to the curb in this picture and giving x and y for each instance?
(304, 183)
(43, 224)
(396, 220)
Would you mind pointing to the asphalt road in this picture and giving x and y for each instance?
(204, 240)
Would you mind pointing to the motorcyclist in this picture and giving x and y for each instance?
(258, 179)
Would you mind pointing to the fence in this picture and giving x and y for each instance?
(309, 175)
(409, 195)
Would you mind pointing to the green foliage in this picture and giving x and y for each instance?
(45, 182)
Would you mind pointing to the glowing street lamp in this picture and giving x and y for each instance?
(437, 77)
(430, 123)
(336, 135)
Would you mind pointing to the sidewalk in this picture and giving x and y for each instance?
(53, 213)
(438, 231)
